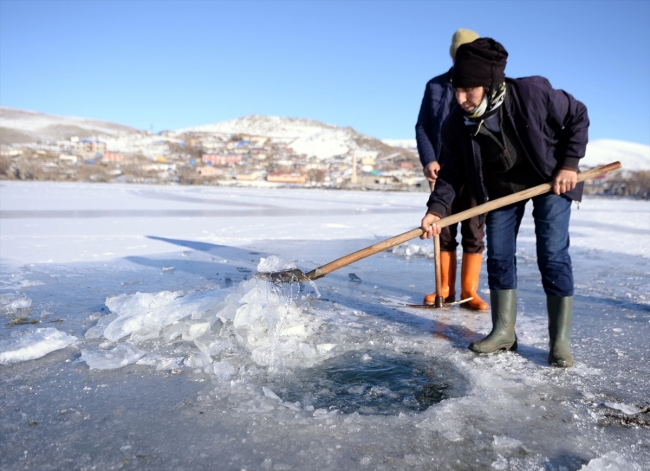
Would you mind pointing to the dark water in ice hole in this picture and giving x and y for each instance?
(368, 382)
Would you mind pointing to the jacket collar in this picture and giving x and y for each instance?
(448, 74)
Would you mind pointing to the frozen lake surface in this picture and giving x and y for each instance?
(134, 336)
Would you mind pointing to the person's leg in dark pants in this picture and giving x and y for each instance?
(502, 228)
(473, 234)
(552, 213)
(447, 262)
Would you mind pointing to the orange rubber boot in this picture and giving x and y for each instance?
(447, 281)
(469, 274)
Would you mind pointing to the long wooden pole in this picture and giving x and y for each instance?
(453, 219)
(436, 249)
(436, 260)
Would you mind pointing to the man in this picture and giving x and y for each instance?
(437, 102)
(507, 135)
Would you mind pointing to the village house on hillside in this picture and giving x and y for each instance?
(216, 158)
(90, 148)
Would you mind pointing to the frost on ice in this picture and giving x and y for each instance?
(611, 461)
(120, 356)
(10, 303)
(33, 344)
(505, 410)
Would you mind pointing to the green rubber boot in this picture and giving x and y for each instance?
(560, 312)
(504, 315)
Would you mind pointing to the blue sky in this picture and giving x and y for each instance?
(364, 64)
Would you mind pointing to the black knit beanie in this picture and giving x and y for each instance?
(481, 63)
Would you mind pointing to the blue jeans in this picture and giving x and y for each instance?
(551, 214)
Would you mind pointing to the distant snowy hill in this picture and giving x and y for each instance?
(21, 126)
(304, 136)
(270, 126)
(634, 157)
(405, 143)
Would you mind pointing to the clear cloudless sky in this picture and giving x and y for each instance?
(174, 64)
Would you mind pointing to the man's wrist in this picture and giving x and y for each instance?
(437, 210)
(571, 163)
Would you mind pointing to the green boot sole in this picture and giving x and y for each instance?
(482, 346)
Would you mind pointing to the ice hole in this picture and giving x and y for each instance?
(386, 384)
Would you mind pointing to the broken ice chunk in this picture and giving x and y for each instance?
(624, 408)
(94, 332)
(169, 363)
(323, 348)
(262, 355)
(160, 309)
(270, 394)
(247, 315)
(219, 346)
(295, 330)
(195, 328)
(120, 356)
(105, 320)
(121, 327)
(273, 264)
(202, 344)
(149, 360)
(307, 350)
(223, 370)
(146, 333)
(611, 461)
(33, 344)
(216, 324)
(12, 302)
(320, 414)
(294, 406)
(501, 463)
(173, 331)
(227, 313)
(215, 321)
(161, 362)
(505, 442)
(198, 360)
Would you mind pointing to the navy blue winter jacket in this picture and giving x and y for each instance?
(438, 96)
(550, 124)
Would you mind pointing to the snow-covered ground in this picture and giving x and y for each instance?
(304, 136)
(272, 126)
(134, 336)
(43, 126)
